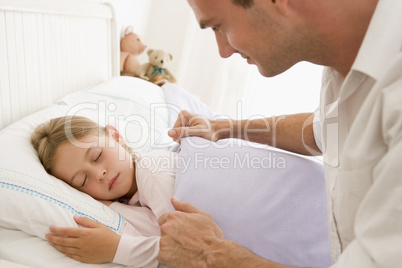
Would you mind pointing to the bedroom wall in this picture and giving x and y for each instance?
(161, 24)
(171, 25)
(226, 85)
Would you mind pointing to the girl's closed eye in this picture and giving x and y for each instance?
(85, 179)
(99, 156)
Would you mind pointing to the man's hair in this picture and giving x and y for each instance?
(244, 3)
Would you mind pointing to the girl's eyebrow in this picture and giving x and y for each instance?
(85, 157)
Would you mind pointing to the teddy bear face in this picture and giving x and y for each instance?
(159, 58)
(132, 44)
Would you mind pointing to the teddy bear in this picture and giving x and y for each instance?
(131, 46)
(156, 70)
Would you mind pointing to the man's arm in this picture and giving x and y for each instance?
(289, 132)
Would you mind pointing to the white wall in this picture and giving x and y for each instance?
(162, 24)
(220, 83)
(132, 12)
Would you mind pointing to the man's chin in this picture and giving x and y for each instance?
(269, 72)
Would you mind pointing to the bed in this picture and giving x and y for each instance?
(39, 81)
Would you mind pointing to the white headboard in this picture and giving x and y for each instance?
(49, 48)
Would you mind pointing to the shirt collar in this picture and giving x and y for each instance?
(383, 40)
(381, 44)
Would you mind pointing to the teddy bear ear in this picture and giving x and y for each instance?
(171, 56)
(128, 30)
(150, 51)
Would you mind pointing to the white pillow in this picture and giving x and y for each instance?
(270, 201)
(31, 200)
(137, 108)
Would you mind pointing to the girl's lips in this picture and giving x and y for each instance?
(113, 182)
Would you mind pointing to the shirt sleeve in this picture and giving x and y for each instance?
(317, 129)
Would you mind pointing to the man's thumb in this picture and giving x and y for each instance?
(183, 206)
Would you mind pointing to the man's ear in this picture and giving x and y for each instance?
(114, 133)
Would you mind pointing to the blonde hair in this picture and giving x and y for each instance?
(48, 137)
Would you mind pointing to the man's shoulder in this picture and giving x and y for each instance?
(393, 75)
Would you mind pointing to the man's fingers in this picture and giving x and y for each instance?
(181, 132)
(162, 220)
(182, 119)
(184, 206)
(179, 206)
(173, 134)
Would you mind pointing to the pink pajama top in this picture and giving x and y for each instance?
(155, 176)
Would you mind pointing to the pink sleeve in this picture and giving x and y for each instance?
(138, 251)
(141, 218)
(158, 190)
(139, 243)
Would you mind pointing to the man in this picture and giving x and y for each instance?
(358, 127)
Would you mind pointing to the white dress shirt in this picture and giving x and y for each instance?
(359, 130)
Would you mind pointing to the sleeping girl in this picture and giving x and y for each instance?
(96, 160)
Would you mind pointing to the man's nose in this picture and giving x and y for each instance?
(225, 49)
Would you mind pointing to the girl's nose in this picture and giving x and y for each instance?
(102, 175)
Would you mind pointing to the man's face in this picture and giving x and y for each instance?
(260, 34)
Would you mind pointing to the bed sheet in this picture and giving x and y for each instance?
(27, 250)
(271, 201)
(8, 264)
(136, 107)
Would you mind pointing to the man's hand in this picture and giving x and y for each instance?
(188, 236)
(95, 243)
(189, 124)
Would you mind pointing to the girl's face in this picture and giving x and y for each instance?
(98, 166)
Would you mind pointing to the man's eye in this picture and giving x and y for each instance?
(216, 28)
(99, 156)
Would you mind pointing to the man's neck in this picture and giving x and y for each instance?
(342, 32)
(356, 25)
